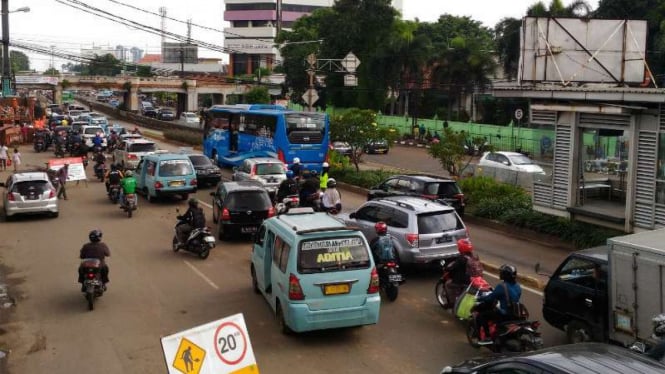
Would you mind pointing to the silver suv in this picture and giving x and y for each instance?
(423, 231)
(270, 172)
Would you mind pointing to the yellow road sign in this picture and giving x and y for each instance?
(189, 358)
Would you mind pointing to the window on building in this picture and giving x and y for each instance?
(240, 23)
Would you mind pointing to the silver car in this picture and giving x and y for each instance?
(270, 172)
(29, 192)
(423, 231)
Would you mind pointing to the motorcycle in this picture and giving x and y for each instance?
(313, 201)
(389, 279)
(446, 301)
(200, 241)
(100, 170)
(39, 145)
(129, 203)
(290, 201)
(59, 150)
(114, 193)
(75, 149)
(92, 280)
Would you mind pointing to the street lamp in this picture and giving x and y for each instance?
(6, 69)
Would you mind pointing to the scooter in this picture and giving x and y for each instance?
(200, 241)
(59, 150)
(39, 145)
(129, 204)
(290, 201)
(114, 193)
(389, 279)
(100, 170)
(92, 280)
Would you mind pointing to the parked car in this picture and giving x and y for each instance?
(343, 148)
(269, 172)
(423, 231)
(377, 146)
(314, 272)
(164, 174)
(513, 161)
(445, 190)
(206, 171)
(149, 112)
(166, 115)
(591, 358)
(129, 152)
(240, 208)
(29, 192)
(189, 118)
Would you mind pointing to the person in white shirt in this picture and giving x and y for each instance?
(3, 156)
(331, 199)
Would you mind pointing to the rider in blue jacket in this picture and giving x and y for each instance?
(508, 295)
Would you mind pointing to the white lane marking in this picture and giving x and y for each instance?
(205, 204)
(523, 287)
(198, 272)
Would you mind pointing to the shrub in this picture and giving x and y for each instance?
(183, 136)
(362, 178)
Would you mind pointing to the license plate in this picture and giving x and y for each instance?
(176, 183)
(395, 277)
(336, 289)
(209, 239)
(443, 239)
(248, 229)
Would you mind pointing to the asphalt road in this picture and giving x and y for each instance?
(155, 292)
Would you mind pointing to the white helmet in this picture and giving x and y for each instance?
(325, 165)
(296, 160)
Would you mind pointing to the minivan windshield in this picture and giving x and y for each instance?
(175, 168)
(332, 254)
(437, 222)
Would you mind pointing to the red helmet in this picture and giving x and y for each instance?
(464, 246)
(381, 228)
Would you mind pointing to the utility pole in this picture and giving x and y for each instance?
(6, 69)
(182, 61)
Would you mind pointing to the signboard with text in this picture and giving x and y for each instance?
(76, 170)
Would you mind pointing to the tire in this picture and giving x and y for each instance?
(441, 294)
(222, 234)
(472, 335)
(255, 283)
(90, 297)
(392, 290)
(283, 327)
(578, 332)
(204, 254)
(174, 245)
(529, 343)
(129, 213)
(150, 199)
(215, 212)
(55, 214)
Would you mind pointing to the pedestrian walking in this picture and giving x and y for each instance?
(3, 156)
(62, 179)
(16, 159)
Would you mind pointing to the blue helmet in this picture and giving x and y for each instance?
(289, 174)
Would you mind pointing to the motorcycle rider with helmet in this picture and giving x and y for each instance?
(296, 168)
(309, 191)
(331, 199)
(382, 245)
(323, 179)
(95, 249)
(465, 266)
(127, 186)
(508, 294)
(289, 186)
(657, 352)
(113, 177)
(194, 218)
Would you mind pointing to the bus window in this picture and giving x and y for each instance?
(305, 128)
(259, 125)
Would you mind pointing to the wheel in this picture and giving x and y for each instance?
(90, 296)
(215, 212)
(392, 290)
(578, 332)
(441, 294)
(129, 213)
(530, 342)
(55, 214)
(148, 196)
(221, 232)
(255, 283)
(204, 254)
(175, 244)
(472, 334)
(284, 328)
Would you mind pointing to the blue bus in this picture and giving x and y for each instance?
(237, 132)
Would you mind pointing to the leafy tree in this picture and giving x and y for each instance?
(258, 95)
(143, 71)
(19, 61)
(450, 151)
(507, 36)
(357, 127)
(73, 68)
(51, 71)
(106, 65)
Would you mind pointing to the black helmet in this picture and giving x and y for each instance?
(193, 202)
(507, 273)
(95, 235)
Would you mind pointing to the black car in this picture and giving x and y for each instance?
(240, 208)
(593, 358)
(166, 115)
(377, 146)
(206, 171)
(434, 188)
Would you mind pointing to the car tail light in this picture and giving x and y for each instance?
(271, 212)
(391, 264)
(430, 197)
(10, 197)
(193, 182)
(373, 282)
(51, 193)
(91, 275)
(226, 215)
(252, 171)
(295, 291)
(158, 185)
(132, 157)
(460, 197)
(412, 239)
(280, 156)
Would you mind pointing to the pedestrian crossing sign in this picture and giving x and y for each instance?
(189, 358)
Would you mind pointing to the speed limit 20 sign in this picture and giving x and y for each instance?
(190, 351)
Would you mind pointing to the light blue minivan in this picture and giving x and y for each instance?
(315, 272)
(165, 174)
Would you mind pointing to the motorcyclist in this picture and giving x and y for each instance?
(95, 249)
(382, 245)
(465, 266)
(289, 186)
(194, 218)
(97, 142)
(113, 139)
(331, 199)
(113, 177)
(296, 168)
(657, 352)
(323, 179)
(100, 160)
(508, 294)
(309, 191)
(128, 186)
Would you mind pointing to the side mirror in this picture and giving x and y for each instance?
(352, 215)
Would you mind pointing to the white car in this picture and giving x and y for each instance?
(89, 132)
(129, 152)
(189, 118)
(510, 161)
(29, 192)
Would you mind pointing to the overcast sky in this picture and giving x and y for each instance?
(54, 23)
